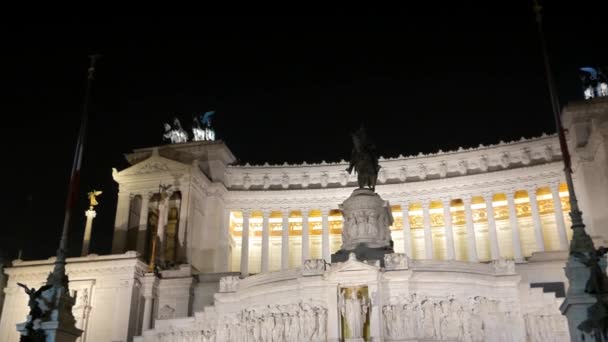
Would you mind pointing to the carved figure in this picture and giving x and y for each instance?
(597, 282)
(93, 198)
(175, 133)
(34, 295)
(354, 310)
(364, 160)
(202, 130)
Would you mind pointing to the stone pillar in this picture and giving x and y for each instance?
(148, 281)
(123, 206)
(163, 216)
(471, 240)
(407, 229)
(285, 240)
(494, 251)
(325, 232)
(538, 226)
(449, 234)
(90, 214)
(517, 253)
(143, 224)
(245, 245)
(428, 234)
(559, 217)
(183, 221)
(305, 236)
(265, 240)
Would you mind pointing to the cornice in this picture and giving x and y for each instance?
(412, 169)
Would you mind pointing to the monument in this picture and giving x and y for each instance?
(367, 217)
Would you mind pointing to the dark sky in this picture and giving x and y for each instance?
(284, 89)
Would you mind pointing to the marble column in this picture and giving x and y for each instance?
(325, 232)
(517, 253)
(143, 223)
(407, 229)
(559, 217)
(90, 214)
(147, 313)
(494, 251)
(285, 240)
(305, 236)
(245, 245)
(163, 217)
(428, 234)
(471, 240)
(265, 240)
(121, 221)
(538, 226)
(449, 234)
(183, 235)
(148, 282)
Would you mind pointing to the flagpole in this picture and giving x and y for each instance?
(581, 241)
(58, 277)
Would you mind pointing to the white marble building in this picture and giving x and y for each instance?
(485, 230)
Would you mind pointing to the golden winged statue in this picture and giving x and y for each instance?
(93, 198)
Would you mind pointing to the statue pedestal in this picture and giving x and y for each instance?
(58, 323)
(577, 303)
(54, 331)
(366, 233)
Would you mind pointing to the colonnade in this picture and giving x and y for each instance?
(447, 203)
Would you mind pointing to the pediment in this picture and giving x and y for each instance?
(153, 164)
(352, 267)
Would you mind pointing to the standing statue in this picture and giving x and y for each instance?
(175, 133)
(93, 198)
(364, 160)
(354, 310)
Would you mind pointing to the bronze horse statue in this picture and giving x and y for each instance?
(364, 160)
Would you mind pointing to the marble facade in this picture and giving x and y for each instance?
(251, 246)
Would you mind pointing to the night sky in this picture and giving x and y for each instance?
(283, 88)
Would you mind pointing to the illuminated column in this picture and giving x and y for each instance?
(325, 232)
(407, 229)
(143, 223)
(428, 237)
(449, 235)
(494, 252)
(265, 240)
(90, 214)
(471, 241)
(163, 216)
(285, 240)
(120, 223)
(538, 226)
(305, 236)
(245, 245)
(559, 217)
(517, 254)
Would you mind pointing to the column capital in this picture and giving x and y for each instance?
(285, 212)
(510, 193)
(488, 195)
(531, 188)
(425, 202)
(554, 185)
(325, 211)
(405, 205)
(446, 201)
(246, 212)
(265, 213)
(305, 212)
(467, 199)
